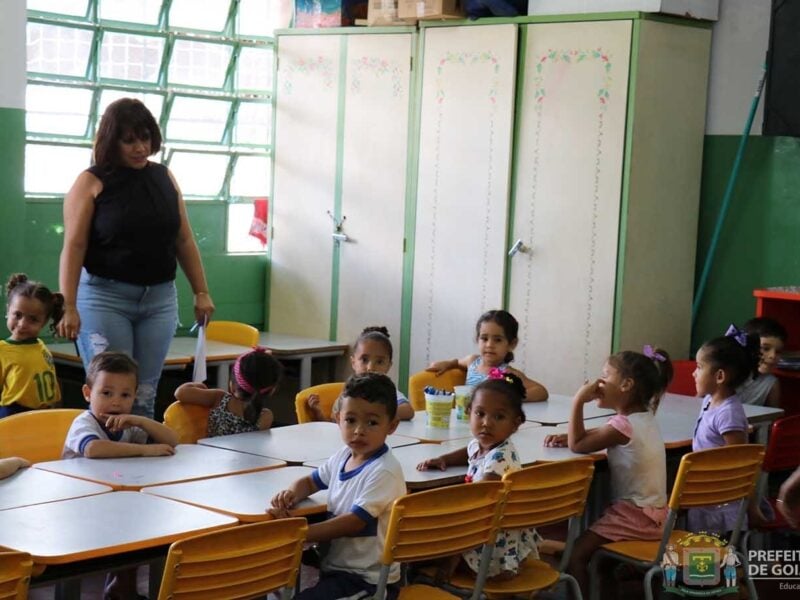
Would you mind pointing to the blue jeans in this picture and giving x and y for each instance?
(135, 319)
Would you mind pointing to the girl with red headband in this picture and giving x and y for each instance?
(254, 378)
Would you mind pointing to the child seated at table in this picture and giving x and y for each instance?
(496, 334)
(12, 464)
(372, 353)
(108, 429)
(763, 388)
(254, 379)
(363, 479)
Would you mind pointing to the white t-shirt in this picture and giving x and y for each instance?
(639, 468)
(86, 428)
(368, 492)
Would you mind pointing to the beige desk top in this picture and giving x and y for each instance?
(283, 345)
(190, 461)
(557, 409)
(102, 525)
(34, 486)
(181, 351)
(417, 428)
(295, 444)
(245, 496)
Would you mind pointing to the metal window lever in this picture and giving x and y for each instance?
(517, 247)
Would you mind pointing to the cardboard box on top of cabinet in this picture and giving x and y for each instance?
(695, 9)
(385, 12)
(328, 13)
(430, 9)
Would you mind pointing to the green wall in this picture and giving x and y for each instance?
(760, 242)
(12, 201)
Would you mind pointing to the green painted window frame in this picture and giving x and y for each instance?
(169, 91)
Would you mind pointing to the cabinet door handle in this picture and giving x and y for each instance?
(517, 247)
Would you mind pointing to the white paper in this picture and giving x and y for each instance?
(199, 374)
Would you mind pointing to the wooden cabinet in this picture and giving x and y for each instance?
(341, 130)
(784, 307)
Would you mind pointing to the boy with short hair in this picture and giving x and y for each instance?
(108, 429)
(363, 480)
(764, 389)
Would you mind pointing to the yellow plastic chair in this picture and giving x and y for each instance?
(247, 561)
(705, 478)
(327, 392)
(232, 332)
(538, 496)
(439, 523)
(189, 421)
(36, 435)
(15, 575)
(419, 381)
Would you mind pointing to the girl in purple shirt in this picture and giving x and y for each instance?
(723, 364)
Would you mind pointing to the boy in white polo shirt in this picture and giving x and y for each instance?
(363, 479)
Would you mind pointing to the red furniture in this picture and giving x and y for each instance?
(682, 378)
(784, 307)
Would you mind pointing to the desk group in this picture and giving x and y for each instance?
(67, 511)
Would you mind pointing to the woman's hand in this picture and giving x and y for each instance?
(203, 307)
(70, 324)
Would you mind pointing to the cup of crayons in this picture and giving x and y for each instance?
(438, 404)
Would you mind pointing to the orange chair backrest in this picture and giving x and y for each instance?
(419, 381)
(327, 392)
(36, 435)
(232, 332)
(189, 421)
(15, 575)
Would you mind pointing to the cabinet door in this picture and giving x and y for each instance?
(304, 184)
(567, 198)
(463, 185)
(374, 184)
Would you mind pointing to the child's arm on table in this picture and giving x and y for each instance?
(158, 432)
(451, 459)
(583, 441)
(9, 466)
(405, 412)
(440, 366)
(534, 391)
(165, 439)
(198, 393)
(286, 499)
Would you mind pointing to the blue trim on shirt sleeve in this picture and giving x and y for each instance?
(85, 442)
(370, 523)
(317, 480)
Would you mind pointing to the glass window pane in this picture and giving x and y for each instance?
(58, 50)
(53, 169)
(262, 17)
(75, 8)
(68, 116)
(251, 176)
(129, 56)
(199, 174)
(153, 102)
(141, 11)
(199, 64)
(253, 123)
(254, 70)
(240, 217)
(205, 14)
(197, 119)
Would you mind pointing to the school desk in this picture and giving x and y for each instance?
(105, 525)
(34, 486)
(557, 409)
(190, 461)
(418, 428)
(292, 347)
(245, 496)
(295, 444)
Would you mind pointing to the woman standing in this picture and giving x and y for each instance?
(125, 231)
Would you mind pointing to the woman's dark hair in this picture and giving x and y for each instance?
(375, 334)
(19, 285)
(506, 321)
(122, 117)
(256, 375)
(650, 374)
(509, 385)
(737, 355)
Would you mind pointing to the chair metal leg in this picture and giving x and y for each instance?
(594, 583)
(573, 583)
(648, 581)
